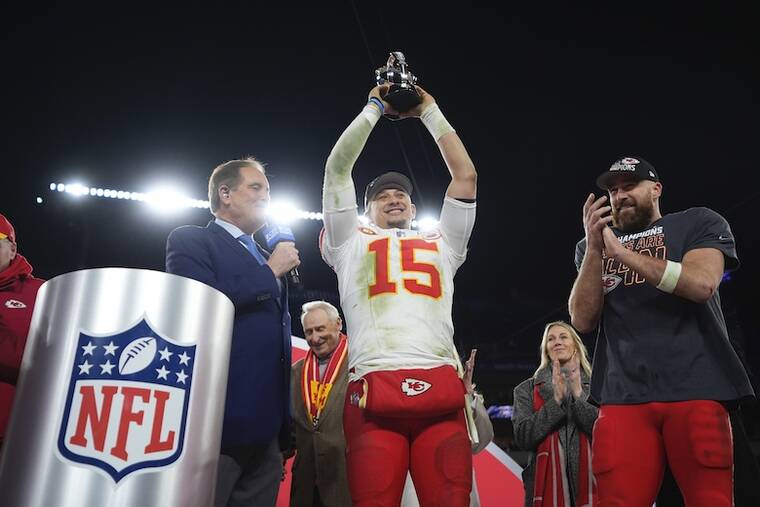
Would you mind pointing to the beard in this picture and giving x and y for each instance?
(640, 218)
(399, 223)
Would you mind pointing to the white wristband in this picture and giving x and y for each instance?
(670, 277)
(436, 123)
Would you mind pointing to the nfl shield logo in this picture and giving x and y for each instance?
(127, 401)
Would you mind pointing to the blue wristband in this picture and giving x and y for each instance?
(378, 103)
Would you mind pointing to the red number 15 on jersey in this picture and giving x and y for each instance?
(384, 285)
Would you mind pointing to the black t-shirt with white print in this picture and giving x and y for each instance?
(654, 346)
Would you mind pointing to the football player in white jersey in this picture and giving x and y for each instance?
(405, 405)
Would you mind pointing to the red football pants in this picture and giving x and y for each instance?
(631, 443)
(380, 450)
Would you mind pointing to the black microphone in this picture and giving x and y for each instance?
(275, 233)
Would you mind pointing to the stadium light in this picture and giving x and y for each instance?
(167, 199)
(425, 223)
(164, 199)
(283, 212)
(75, 189)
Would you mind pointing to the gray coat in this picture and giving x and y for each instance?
(530, 427)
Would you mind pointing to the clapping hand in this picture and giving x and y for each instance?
(558, 382)
(612, 246)
(574, 376)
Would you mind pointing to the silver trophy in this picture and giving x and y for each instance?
(402, 94)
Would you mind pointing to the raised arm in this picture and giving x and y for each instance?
(457, 217)
(463, 175)
(339, 194)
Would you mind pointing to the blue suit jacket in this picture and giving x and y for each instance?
(257, 408)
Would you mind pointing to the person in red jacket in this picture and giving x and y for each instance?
(18, 291)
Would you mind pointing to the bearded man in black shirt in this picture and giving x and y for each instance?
(664, 368)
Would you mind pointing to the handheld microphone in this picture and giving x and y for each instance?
(276, 233)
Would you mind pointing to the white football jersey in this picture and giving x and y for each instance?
(396, 288)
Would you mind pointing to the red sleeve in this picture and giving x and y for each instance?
(16, 307)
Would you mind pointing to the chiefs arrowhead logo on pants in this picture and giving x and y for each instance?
(413, 387)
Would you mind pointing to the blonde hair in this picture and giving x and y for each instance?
(580, 348)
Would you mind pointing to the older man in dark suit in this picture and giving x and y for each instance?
(318, 388)
(224, 255)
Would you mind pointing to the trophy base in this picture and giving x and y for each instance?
(402, 98)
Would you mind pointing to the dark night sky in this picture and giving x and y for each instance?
(543, 100)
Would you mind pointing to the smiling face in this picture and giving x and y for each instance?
(322, 333)
(245, 204)
(559, 344)
(634, 203)
(392, 208)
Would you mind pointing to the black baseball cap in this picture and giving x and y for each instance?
(385, 181)
(636, 167)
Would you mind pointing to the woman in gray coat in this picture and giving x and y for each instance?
(553, 418)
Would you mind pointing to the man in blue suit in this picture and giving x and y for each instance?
(224, 256)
